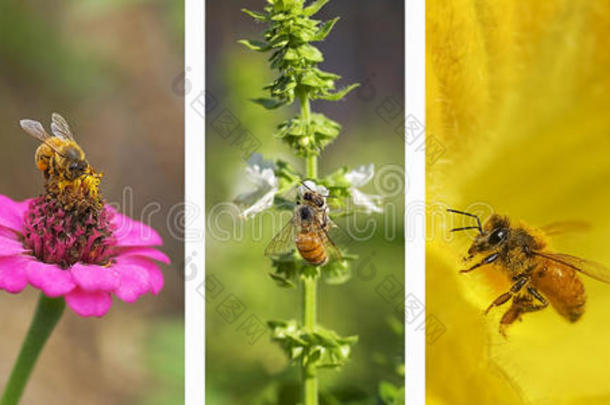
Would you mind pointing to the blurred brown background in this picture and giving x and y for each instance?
(110, 68)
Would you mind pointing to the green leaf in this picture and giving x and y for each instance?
(388, 392)
(325, 126)
(287, 5)
(337, 179)
(325, 29)
(268, 103)
(311, 53)
(312, 79)
(278, 41)
(314, 7)
(336, 272)
(288, 177)
(339, 94)
(326, 75)
(291, 54)
(281, 281)
(321, 348)
(256, 15)
(310, 272)
(258, 46)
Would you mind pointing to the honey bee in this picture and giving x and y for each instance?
(59, 154)
(539, 276)
(69, 177)
(308, 230)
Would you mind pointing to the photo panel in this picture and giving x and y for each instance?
(517, 100)
(305, 182)
(91, 200)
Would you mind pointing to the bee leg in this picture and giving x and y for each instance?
(489, 259)
(502, 299)
(522, 305)
(511, 315)
(529, 306)
(538, 296)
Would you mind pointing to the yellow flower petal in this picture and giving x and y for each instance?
(519, 95)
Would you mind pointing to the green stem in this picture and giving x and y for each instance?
(48, 313)
(312, 167)
(309, 373)
(310, 378)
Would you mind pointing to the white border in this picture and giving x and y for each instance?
(194, 249)
(415, 249)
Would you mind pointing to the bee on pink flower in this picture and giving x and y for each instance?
(68, 242)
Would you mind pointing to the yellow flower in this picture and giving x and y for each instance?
(518, 94)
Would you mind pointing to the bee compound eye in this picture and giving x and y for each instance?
(73, 166)
(497, 236)
(307, 196)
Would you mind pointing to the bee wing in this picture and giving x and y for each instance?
(335, 233)
(592, 269)
(557, 228)
(35, 129)
(284, 241)
(60, 127)
(331, 249)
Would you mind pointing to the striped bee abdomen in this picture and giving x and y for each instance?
(311, 248)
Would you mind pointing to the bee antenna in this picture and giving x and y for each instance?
(305, 185)
(478, 227)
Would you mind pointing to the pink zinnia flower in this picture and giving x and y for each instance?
(83, 259)
(68, 242)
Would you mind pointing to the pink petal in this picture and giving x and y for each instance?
(51, 279)
(94, 278)
(89, 303)
(135, 277)
(12, 213)
(10, 246)
(13, 276)
(155, 276)
(150, 253)
(129, 232)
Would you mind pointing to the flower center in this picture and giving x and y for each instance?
(75, 192)
(69, 224)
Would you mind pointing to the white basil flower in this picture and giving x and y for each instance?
(359, 177)
(311, 186)
(261, 173)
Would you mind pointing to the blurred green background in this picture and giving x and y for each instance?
(366, 46)
(109, 67)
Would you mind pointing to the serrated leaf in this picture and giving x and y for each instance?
(268, 103)
(314, 7)
(325, 126)
(339, 94)
(254, 45)
(325, 29)
(254, 14)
